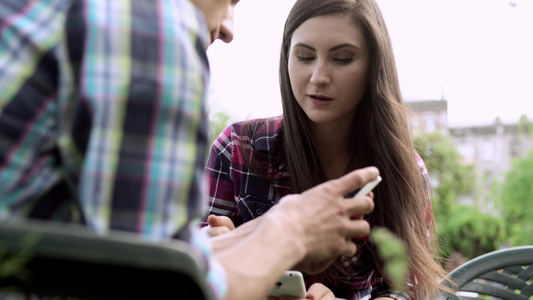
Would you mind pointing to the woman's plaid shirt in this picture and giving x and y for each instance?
(237, 192)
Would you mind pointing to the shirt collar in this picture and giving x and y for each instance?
(268, 136)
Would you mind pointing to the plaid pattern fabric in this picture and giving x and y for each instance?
(102, 115)
(237, 192)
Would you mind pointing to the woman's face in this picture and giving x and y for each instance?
(328, 67)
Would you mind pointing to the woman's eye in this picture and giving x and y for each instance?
(343, 60)
(304, 58)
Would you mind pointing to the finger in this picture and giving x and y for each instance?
(354, 180)
(211, 219)
(220, 221)
(349, 249)
(357, 228)
(215, 231)
(214, 220)
(359, 206)
(319, 291)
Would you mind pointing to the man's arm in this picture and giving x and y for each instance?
(30, 32)
(316, 225)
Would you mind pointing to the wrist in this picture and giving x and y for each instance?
(289, 234)
(288, 231)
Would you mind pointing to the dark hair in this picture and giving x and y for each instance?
(382, 136)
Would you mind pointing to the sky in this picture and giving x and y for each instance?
(476, 54)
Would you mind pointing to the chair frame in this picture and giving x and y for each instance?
(72, 261)
(505, 274)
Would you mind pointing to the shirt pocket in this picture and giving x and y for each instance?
(251, 206)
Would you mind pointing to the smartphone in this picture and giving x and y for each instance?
(290, 284)
(369, 186)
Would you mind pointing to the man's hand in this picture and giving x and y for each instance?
(313, 267)
(324, 220)
(218, 225)
(315, 226)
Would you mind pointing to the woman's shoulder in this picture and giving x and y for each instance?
(420, 162)
(276, 121)
(425, 174)
(253, 127)
(259, 133)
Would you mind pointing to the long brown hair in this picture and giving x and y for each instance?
(382, 139)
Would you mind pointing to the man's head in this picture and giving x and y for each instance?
(219, 18)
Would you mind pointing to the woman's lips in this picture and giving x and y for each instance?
(320, 100)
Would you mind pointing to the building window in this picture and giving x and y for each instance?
(515, 147)
(488, 178)
(430, 123)
(467, 150)
(487, 151)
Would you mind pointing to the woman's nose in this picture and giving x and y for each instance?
(320, 76)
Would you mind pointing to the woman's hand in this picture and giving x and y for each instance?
(318, 291)
(218, 225)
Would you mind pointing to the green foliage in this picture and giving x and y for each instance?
(217, 123)
(471, 232)
(516, 199)
(443, 162)
(525, 126)
(13, 265)
(443, 159)
(461, 229)
(392, 252)
(520, 234)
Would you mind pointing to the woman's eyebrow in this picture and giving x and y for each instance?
(304, 46)
(343, 46)
(334, 48)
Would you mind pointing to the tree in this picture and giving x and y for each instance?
(449, 177)
(516, 199)
(217, 123)
(462, 228)
(525, 126)
(470, 232)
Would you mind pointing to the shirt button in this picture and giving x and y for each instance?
(259, 211)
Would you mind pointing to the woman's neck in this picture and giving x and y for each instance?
(333, 144)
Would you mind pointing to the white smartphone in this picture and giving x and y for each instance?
(369, 186)
(290, 284)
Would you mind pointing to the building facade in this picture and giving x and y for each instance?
(489, 148)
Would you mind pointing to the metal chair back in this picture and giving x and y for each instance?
(503, 274)
(71, 261)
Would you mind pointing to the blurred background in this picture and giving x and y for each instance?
(466, 71)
